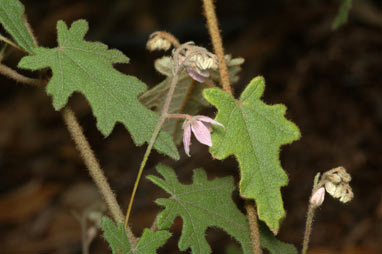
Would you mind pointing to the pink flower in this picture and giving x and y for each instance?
(201, 127)
(197, 74)
(318, 197)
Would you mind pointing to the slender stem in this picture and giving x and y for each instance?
(94, 168)
(213, 28)
(184, 116)
(162, 118)
(254, 226)
(6, 71)
(9, 42)
(308, 228)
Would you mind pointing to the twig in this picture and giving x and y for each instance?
(252, 218)
(212, 23)
(10, 73)
(94, 168)
(308, 228)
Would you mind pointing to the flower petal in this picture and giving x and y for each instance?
(196, 74)
(187, 139)
(208, 120)
(201, 132)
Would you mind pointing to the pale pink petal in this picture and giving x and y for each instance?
(206, 119)
(187, 139)
(197, 75)
(318, 197)
(201, 132)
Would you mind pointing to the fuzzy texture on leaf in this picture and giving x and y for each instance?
(205, 204)
(148, 243)
(343, 13)
(11, 12)
(187, 97)
(254, 133)
(87, 67)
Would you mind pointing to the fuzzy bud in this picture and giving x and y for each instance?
(318, 197)
(337, 184)
(158, 42)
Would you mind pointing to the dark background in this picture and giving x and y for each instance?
(329, 80)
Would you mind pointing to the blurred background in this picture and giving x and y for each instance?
(330, 80)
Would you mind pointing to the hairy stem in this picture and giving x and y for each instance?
(254, 226)
(177, 116)
(308, 228)
(162, 118)
(9, 42)
(6, 71)
(94, 168)
(213, 28)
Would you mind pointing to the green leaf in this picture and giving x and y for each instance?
(342, 15)
(87, 67)
(187, 97)
(254, 133)
(206, 204)
(119, 243)
(11, 12)
(201, 205)
(272, 244)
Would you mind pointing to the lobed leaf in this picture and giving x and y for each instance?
(205, 204)
(87, 67)
(11, 12)
(254, 133)
(119, 243)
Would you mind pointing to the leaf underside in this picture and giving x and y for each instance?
(254, 133)
(205, 204)
(87, 67)
(11, 12)
(187, 98)
(148, 243)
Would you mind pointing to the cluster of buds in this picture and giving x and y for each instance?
(336, 182)
(160, 41)
(197, 61)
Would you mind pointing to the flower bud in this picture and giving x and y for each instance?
(337, 184)
(158, 42)
(318, 197)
